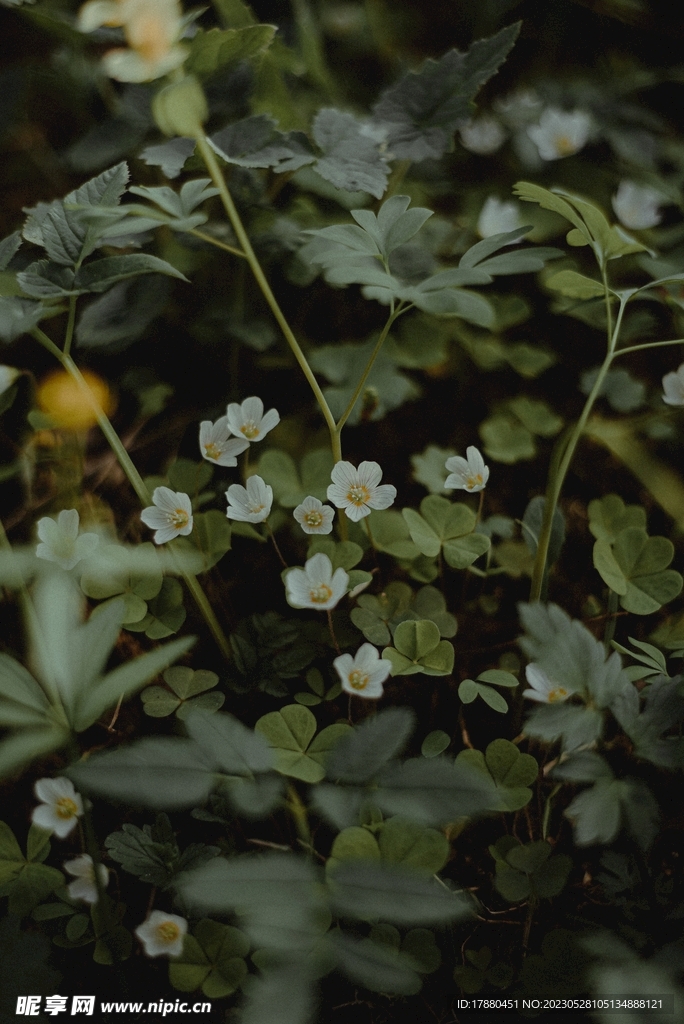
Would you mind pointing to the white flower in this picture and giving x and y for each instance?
(162, 934)
(170, 516)
(673, 386)
(497, 216)
(84, 887)
(357, 491)
(249, 421)
(544, 689)
(560, 133)
(313, 516)
(637, 206)
(483, 136)
(251, 504)
(468, 474)
(8, 375)
(60, 541)
(61, 806)
(364, 674)
(316, 586)
(152, 29)
(216, 444)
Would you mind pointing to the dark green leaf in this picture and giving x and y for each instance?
(351, 158)
(255, 142)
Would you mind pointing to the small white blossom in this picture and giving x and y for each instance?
(544, 689)
(637, 206)
(497, 216)
(250, 504)
(673, 386)
(358, 491)
(152, 29)
(84, 886)
(313, 516)
(364, 674)
(170, 515)
(61, 806)
(560, 133)
(316, 586)
(8, 375)
(248, 420)
(468, 474)
(217, 445)
(162, 934)
(60, 540)
(483, 135)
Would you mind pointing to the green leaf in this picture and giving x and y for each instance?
(506, 440)
(17, 317)
(165, 612)
(210, 51)
(361, 754)
(354, 843)
(289, 732)
(370, 890)
(574, 285)
(411, 845)
(642, 561)
(351, 159)
(532, 526)
(213, 958)
(511, 771)
(423, 109)
(8, 249)
(255, 142)
(102, 274)
(18, 749)
(435, 743)
(373, 965)
(429, 467)
(609, 515)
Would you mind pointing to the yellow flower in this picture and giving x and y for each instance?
(61, 398)
(152, 29)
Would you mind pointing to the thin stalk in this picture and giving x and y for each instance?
(68, 337)
(608, 296)
(312, 48)
(301, 818)
(557, 480)
(332, 632)
(215, 241)
(234, 217)
(136, 482)
(275, 544)
(547, 810)
(369, 366)
(648, 344)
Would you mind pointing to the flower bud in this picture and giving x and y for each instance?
(181, 108)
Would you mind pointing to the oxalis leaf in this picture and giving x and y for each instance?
(421, 112)
(529, 870)
(512, 771)
(634, 565)
(290, 732)
(418, 648)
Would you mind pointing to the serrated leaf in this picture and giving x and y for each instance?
(171, 156)
(217, 48)
(423, 109)
(99, 275)
(360, 755)
(371, 890)
(255, 142)
(351, 157)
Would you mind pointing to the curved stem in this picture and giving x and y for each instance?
(557, 478)
(369, 366)
(136, 482)
(70, 325)
(234, 217)
(215, 241)
(648, 344)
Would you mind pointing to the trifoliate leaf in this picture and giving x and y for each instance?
(423, 109)
(290, 732)
(635, 567)
(609, 515)
(212, 958)
(429, 467)
(418, 648)
(512, 772)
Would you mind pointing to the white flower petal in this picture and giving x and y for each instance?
(162, 934)
(382, 497)
(369, 474)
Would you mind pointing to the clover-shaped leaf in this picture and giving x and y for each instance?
(405, 842)
(165, 612)
(470, 689)
(343, 554)
(290, 732)
(509, 435)
(418, 648)
(290, 484)
(113, 577)
(185, 684)
(442, 525)
(375, 612)
(609, 515)
(213, 957)
(391, 534)
(472, 976)
(529, 870)
(512, 771)
(25, 879)
(635, 567)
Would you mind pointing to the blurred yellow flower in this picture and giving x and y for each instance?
(60, 397)
(152, 29)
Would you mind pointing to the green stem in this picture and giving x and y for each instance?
(369, 366)
(215, 241)
(557, 478)
(547, 810)
(648, 344)
(136, 482)
(217, 177)
(301, 818)
(312, 49)
(68, 337)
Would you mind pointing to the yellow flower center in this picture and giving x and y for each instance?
(358, 680)
(168, 932)
(565, 146)
(358, 495)
(66, 808)
(320, 594)
(250, 430)
(474, 481)
(212, 451)
(313, 518)
(149, 34)
(256, 509)
(179, 518)
(560, 693)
